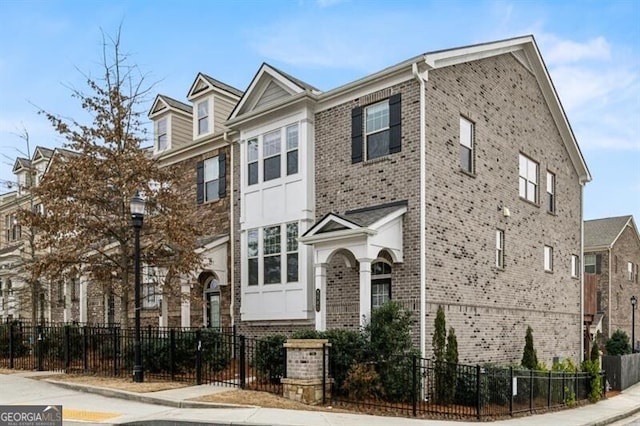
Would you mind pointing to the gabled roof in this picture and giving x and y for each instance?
(42, 152)
(57, 153)
(365, 218)
(603, 233)
(268, 86)
(21, 163)
(204, 83)
(164, 103)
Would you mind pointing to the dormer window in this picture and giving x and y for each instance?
(203, 117)
(162, 136)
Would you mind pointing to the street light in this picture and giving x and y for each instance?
(137, 217)
(634, 302)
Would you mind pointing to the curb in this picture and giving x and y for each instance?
(134, 396)
(615, 418)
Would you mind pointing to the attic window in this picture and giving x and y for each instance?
(203, 117)
(162, 136)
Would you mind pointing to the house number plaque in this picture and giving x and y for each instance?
(317, 300)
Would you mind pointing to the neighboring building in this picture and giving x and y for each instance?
(611, 259)
(452, 179)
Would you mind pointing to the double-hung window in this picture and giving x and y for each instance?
(377, 130)
(380, 284)
(252, 256)
(211, 179)
(548, 258)
(575, 266)
(203, 117)
(589, 263)
(292, 149)
(272, 249)
(528, 182)
(292, 252)
(162, 136)
(499, 248)
(551, 192)
(252, 162)
(630, 271)
(271, 147)
(150, 287)
(466, 145)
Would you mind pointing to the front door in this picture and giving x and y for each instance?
(213, 310)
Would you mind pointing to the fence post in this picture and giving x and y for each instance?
(11, 345)
(40, 348)
(603, 381)
(511, 391)
(324, 371)
(116, 343)
(243, 372)
(549, 391)
(414, 384)
(199, 357)
(85, 349)
(235, 342)
(478, 392)
(531, 391)
(67, 348)
(563, 395)
(577, 396)
(172, 353)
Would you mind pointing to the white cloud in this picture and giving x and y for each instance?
(569, 51)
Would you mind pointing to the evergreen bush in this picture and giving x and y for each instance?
(529, 356)
(269, 358)
(618, 343)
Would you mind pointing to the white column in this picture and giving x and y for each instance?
(365, 291)
(83, 300)
(67, 301)
(163, 321)
(185, 306)
(321, 286)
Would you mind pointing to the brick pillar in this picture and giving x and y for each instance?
(304, 370)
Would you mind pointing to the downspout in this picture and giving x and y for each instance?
(581, 272)
(423, 213)
(232, 282)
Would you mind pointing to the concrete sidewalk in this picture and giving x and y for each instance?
(187, 411)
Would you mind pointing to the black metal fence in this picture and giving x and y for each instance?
(191, 355)
(416, 386)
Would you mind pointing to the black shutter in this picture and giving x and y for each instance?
(222, 176)
(395, 124)
(200, 182)
(356, 135)
(598, 263)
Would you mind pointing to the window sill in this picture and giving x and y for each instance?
(546, 271)
(497, 269)
(467, 173)
(575, 278)
(377, 160)
(530, 202)
(553, 213)
(212, 201)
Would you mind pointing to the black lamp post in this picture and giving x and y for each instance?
(137, 217)
(634, 302)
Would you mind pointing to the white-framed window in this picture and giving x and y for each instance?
(548, 258)
(467, 145)
(162, 138)
(252, 257)
(292, 149)
(589, 263)
(272, 255)
(150, 287)
(551, 192)
(211, 179)
(376, 130)
(630, 271)
(252, 162)
(380, 284)
(575, 266)
(271, 148)
(13, 231)
(271, 249)
(528, 182)
(203, 117)
(292, 252)
(499, 248)
(74, 287)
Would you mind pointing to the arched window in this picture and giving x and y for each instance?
(380, 284)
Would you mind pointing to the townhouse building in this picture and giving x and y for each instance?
(452, 178)
(611, 259)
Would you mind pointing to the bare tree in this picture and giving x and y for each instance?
(87, 194)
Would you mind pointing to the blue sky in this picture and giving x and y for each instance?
(592, 50)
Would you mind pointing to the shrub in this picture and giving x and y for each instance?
(618, 343)
(19, 346)
(451, 359)
(529, 356)
(595, 352)
(362, 381)
(595, 384)
(269, 358)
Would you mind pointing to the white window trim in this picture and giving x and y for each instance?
(536, 194)
(472, 147)
(630, 271)
(156, 144)
(259, 137)
(261, 256)
(575, 266)
(499, 250)
(210, 114)
(366, 133)
(551, 180)
(589, 257)
(216, 161)
(548, 258)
